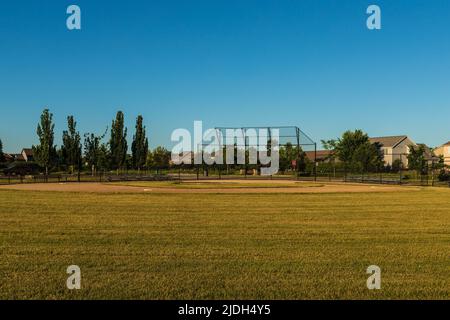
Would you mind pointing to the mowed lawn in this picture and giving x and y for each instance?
(225, 246)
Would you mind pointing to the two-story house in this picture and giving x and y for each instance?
(394, 147)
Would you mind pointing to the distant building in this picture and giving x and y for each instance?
(394, 148)
(28, 155)
(183, 158)
(319, 155)
(444, 151)
(430, 156)
(9, 157)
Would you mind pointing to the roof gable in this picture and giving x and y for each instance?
(28, 152)
(388, 142)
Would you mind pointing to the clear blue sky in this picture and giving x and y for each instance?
(229, 63)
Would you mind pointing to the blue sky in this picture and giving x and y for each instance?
(311, 63)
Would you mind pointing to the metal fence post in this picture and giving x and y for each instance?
(315, 162)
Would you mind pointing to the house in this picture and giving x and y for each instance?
(186, 157)
(9, 157)
(319, 155)
(444, 151)
(27, 155)
(429, 154)
(394, 148)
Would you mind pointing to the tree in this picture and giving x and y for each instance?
(397, 165)
(71, 148)
(118, 142)
(417, 159)
(288, 154)
(355, 151)
(149, 161)
(368, 156)
(45, 152)
(103, 157)
(139, 147)
(2, 156)
(330, 145)
(348, 143)
(302, 161)
(160, 158)
(95, 153)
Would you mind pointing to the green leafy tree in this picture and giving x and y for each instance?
(302, 161)
(118, 142)
(95, 153)
(349, 143)
(417, 159)
(45, 152)
(440, 164)
(355, 151)
(330, 145)
(71, 148)
(149, 161)
(160, 158)
(397, 165)
(2, 156)
(103, 157)
(368, 157)
(287, 154)
(139, 146)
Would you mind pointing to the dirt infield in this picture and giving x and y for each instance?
(270, 187)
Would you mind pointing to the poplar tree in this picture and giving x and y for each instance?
(2, 156)
(139, 147)
(118, 142)
(45, 152)
(71, 149)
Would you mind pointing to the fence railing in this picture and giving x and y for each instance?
(405, 177)
(70, 178)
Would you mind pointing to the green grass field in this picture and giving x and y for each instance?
(225, 246)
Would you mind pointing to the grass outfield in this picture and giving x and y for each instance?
(225, 246)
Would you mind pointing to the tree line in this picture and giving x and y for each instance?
(357, 154)
(353, 149)
(91, 152)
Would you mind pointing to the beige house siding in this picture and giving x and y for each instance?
(445, 152)
(401, 151)
(387, 155)
(394, 148)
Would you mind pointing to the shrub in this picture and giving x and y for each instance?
(444, 176)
